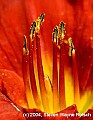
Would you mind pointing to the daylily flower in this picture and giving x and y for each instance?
(15, 20)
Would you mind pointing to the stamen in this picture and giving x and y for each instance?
(41, 75)
(25, 62)
(76, 81)
(31, 68)
(75, 72)
(61, 71)
(39, 65)
(61, 79)
(69, 80)
(55, 71)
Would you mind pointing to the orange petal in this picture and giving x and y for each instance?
(9, 112)
(13, 26)
(13, 87)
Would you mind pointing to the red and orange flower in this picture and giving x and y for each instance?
(15, 21)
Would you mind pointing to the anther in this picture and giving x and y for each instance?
(25, 49)
(42, 18)
(39, 21)
(25, 42)
(62, 30)
(55, 34)
(32, 30)
(71, 46)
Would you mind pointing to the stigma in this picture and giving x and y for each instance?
(42, 93)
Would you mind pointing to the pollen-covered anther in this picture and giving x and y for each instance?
(39, 21)
(61, 30)
(42, 18)
(55, 35)
(71, 46)
(32, 30)
(25, 48)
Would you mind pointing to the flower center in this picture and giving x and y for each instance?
(63, 90)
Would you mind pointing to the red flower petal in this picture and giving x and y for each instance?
(9, 112)
(12, 34)
(13, 87)
(12, 28)
(3, 97)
